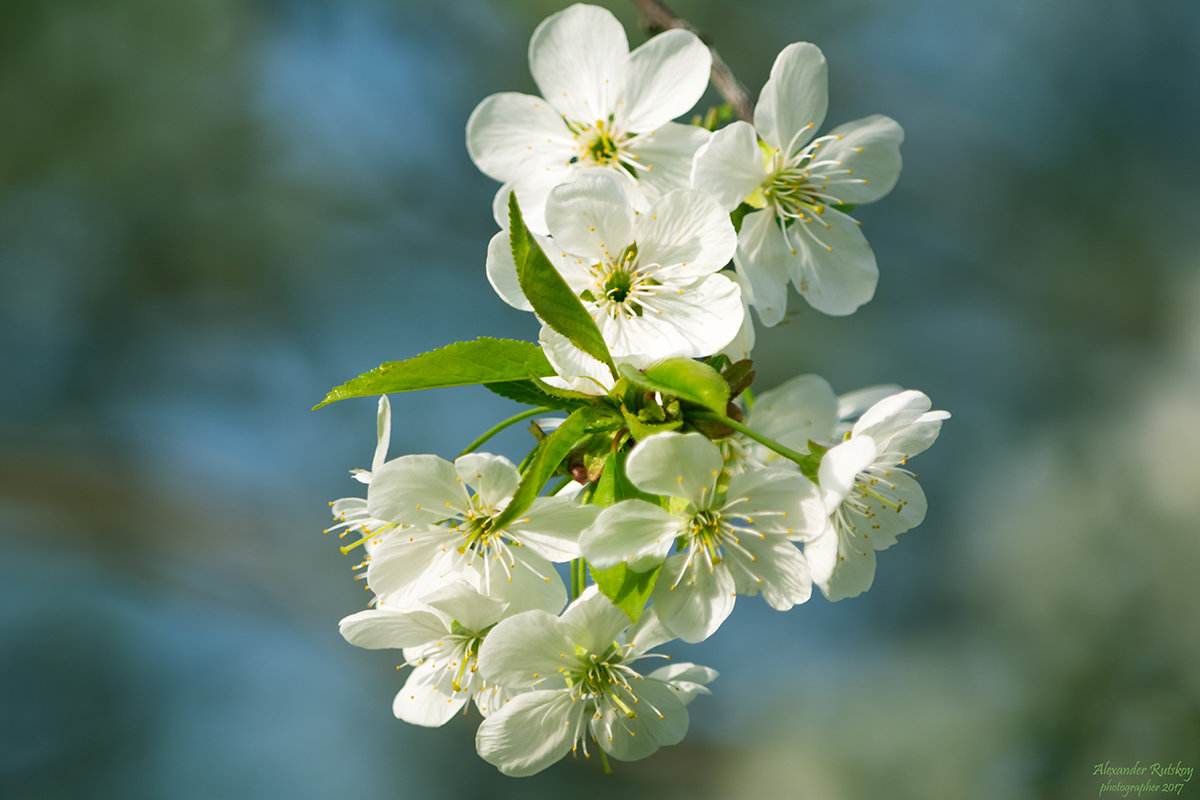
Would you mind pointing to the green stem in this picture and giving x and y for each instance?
(578, 577)
(800, 458)
(499, 426)
(604, 759)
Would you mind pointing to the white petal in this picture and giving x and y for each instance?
(490, 698)
(688, 680)
(693, 602)
(661, 719)
(409, 564)
(633, 532)
(582, 372)
(416, 489)
(870, 149)
(529, 733)
(693, 320)
(666, 76)
(590, 217)
(730, 165)
(510, 135)
(466, 606)
(379, 628)
(683, 465)
(742, 343)
(763, 258)
(839, 467)
(822, 554)
(552, 526)
(778, 501)
(836, 271)
(593, 622)
(774, 567)
(892, 414)
(383, 430)
(533, 191)
(903, 507)
(853, 405)
(495, 478)
(428, 697)
(502, 272)
(854, 571)
(800, 409)
(913, 439)
(647, 634)
(527, 582)
(686, 233)
(524, 650)
(578, 59)
(664, 156)
(793, 102)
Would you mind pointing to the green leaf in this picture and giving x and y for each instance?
(628, 590)
(527, 392)
(683, 378)
(549, 294)
(614, 486)
(543, 462)
(845, 208)
(483, 360)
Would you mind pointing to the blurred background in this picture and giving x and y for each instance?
(211, 211)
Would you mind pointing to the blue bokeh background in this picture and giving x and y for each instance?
(213, 210)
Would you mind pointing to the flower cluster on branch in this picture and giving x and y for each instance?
(658, 480)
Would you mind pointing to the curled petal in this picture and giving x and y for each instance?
(793, 102)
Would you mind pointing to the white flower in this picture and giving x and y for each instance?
(732, 540)
(604, 106)
(452, 535)
(648, 277)
(440, 638)
(869, 494)
(795, 181)
(577, 681)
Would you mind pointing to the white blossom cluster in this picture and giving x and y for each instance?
(669, 489)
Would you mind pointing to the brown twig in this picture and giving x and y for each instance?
(656, 16)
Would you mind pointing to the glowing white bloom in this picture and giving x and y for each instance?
(870, 495)
(577, 683)
(795, 181)
(603, 106)
(733, 538)
(451, 533)
(648, 276)
(440, 638)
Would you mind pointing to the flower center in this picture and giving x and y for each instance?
(603, 144)
(706, 532)
(602, 149)
(477, 531)
(602, 679)
(618, 286)
(622, 287)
